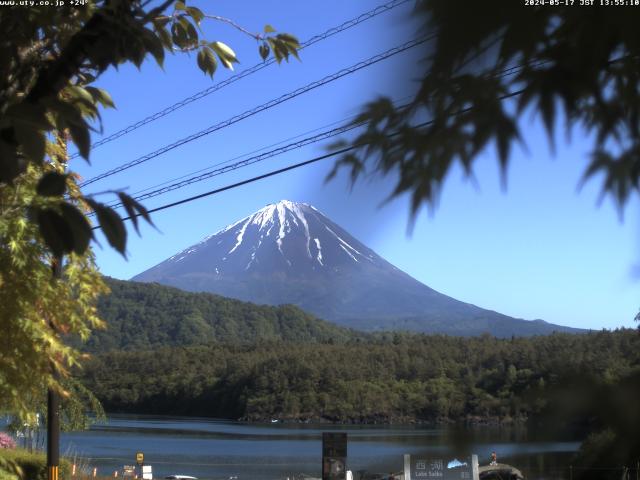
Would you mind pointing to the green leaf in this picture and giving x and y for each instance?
(264, 51)
(102, 96)
(211, 61)
(201, 60)
(161, 21)
(111, 224)
(66, 112)
(269, 29)
(291, 44)
(192, 33)
(282, 49)
(31, 114)
(11, 467)
(80, 93)
(224, 50)
(80, 227)
(179, 5)
(284, 45)
(196, 14)
(207, 61)
(55, 231)
(33, 141)
(226, 55)
(11, 164)
(165, 37)
(134, 210)
(154, 45)
(52, 184)
(276, 52)
(80, 136)
(179, 34)
(86, 78)
(289, 39)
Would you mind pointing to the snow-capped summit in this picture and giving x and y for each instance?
(290, 237)
(289, 252)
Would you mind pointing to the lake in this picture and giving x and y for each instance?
(216, 450)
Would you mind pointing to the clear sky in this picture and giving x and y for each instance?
(539, 249)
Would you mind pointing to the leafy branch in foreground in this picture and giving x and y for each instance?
(38, 312)
(51, 58)
(580, 64)
(47, 87)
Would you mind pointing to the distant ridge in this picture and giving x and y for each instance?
(142, 316)
(290, 253)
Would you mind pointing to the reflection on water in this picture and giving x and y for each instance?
(210, 449)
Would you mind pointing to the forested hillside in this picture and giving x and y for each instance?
(289, 252)
(393, 377)
(144, 316)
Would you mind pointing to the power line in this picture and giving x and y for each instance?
(242, 156)
(211, 172)
(265, 106)
(249, 161)
(245, 182)
(295, 166)
(251, 158)
(254, 157)
(248, 71)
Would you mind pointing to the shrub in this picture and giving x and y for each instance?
(6, 441)
(34, 465)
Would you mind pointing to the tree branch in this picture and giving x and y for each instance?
(157, 11)
(59, 71)
(255, 36)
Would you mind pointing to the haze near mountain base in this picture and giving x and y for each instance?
(290, 253)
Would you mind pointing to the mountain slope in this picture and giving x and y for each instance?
(144, 316)
(291, 253)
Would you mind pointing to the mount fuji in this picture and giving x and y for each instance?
(290, 253)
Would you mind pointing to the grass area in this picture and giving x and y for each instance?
(34, 465)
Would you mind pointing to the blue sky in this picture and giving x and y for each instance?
(539, 249)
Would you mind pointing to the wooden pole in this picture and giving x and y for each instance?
(53, 409)
(53, 399)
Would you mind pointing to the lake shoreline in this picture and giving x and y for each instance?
(470, 421)
(210, 448)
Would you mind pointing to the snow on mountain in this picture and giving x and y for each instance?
(289, 252)
(292, 237)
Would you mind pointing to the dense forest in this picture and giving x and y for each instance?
(171, 352)
(147, 315)
(388, 378)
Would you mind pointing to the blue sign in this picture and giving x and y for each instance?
(440, 468)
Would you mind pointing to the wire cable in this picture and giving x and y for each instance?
(244, 163)
(244, 155)
(259, 155)
(210, 172)
(244, 182)
(265, 106)
(248, 71)
(293, 167)
(255, 156)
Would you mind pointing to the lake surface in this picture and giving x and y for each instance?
(216, 450)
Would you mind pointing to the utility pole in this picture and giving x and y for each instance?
(53, 398)
(53, 406)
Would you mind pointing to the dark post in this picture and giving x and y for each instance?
(53, 408)
(334, 456)
(53, 434)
